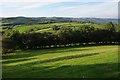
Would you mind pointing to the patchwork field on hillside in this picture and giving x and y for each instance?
(48, 27)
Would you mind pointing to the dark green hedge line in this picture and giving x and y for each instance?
(68, 36)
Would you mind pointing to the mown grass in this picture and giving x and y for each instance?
(26, 28)
(69, 62)
(45, 30)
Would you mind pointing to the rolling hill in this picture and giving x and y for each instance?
(12, 21)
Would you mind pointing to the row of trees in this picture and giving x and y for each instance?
(66, 36)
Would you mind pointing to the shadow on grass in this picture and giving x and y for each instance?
(13, 61)
(106, 70)
(29, 53)
(50, 60)
(67, 57)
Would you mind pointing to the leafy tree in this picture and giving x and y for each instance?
(110, 26)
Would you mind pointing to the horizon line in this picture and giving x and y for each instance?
(54, 16)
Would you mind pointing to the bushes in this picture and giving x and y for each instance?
(9, 41)
(14, 40)
(8, 46)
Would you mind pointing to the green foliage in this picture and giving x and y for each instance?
(117, 26)
(43, 27)
(110, 26)
(10, 41)
(51, 36)
(10, 33)
(8, 45)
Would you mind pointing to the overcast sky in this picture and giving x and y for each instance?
(59, 8)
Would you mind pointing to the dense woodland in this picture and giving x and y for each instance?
(61, 37)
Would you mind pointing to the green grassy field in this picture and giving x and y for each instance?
(48, 27)
(45, 30)
(69, 62)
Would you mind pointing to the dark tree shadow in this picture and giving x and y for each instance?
(67, 57)
(105, 70)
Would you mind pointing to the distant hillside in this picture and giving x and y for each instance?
(12, 21)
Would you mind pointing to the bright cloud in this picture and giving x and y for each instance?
(37, 0)
(62, 8)
(60, 0)
(109, 9)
